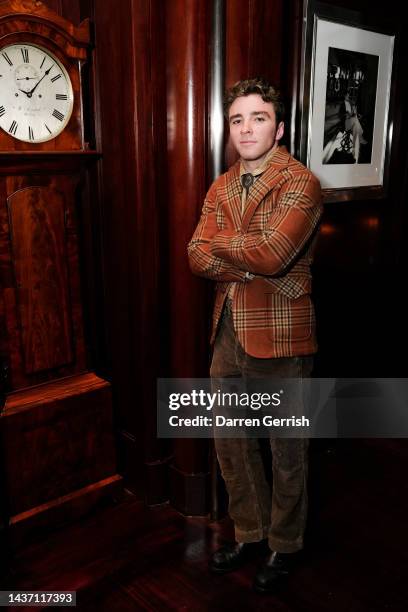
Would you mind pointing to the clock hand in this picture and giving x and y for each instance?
(26, 78)
(27, 93)
(30, 93)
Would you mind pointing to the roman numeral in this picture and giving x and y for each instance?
(24, 53)
(61, 96)
(8, 60)
(48, 128)
(58, 115)
(30, 133)
(42, 62)
(2, 111)
(57, 76)
(13, 128)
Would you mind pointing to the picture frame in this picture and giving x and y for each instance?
(345, 101)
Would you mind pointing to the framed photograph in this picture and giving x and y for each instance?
(346, 123)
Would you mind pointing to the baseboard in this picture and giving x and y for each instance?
(27, 527)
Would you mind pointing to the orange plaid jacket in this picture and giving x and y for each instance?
(273, 239)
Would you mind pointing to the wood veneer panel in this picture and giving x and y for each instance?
(132, 132)
(39, 258)
(187, 143)
(57, 438)
(187, 90)
(39, 266)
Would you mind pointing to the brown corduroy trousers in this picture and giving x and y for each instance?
(257, 513)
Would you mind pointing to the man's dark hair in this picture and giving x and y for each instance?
(260, 86)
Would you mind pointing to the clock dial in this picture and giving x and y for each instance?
(36, 97)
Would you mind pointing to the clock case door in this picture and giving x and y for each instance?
(56, 432)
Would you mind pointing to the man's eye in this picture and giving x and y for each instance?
(259, 119)
(235, 121)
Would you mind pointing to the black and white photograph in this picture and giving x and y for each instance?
(350, 105)
(346, 118)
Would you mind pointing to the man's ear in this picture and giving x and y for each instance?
(280, 131)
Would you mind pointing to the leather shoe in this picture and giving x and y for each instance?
(233, 556)
(273, 572)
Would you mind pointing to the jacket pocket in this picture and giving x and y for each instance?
(289, 320)
(291, 286)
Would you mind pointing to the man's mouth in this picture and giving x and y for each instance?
(247, 142)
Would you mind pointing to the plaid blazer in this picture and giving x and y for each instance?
(273, 239)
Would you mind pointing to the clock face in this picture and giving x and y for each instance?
(36, 97)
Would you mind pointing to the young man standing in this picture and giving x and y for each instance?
(255, 238)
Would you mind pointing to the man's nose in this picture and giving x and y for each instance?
(245, 127)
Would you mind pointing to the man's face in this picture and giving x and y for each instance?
(253, 129)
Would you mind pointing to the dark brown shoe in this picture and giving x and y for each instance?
(233, 556)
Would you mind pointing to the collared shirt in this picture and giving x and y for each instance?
(256, 173)
(244, 196)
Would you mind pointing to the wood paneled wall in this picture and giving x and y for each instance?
(253, 39)
(253, 45)
(69, 9)
(187, 63)
(131, 111)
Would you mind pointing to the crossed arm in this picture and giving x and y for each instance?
(202, 261)
(229, 254)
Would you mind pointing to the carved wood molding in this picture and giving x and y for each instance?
(72, 38)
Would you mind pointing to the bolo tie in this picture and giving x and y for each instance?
(247, 181)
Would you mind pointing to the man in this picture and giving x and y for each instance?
(255, 238)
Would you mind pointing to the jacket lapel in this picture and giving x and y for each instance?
(264, 184)
(232, 209)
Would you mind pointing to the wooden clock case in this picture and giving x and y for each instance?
(57, 444)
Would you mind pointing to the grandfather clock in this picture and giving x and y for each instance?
(57, 446)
